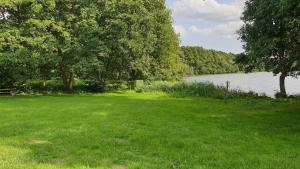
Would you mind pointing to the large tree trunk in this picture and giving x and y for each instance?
(282, 83)
(68, 83)
(67, 78)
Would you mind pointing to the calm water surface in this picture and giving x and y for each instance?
(262, 82)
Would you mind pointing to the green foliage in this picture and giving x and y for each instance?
(56, 86)
(202, 61)
(279, 95)
(98, 41)
(194, 89)
(139, 83)
(16, 68)
(272, 36)
(95, 40)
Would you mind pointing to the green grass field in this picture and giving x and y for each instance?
(151, 131)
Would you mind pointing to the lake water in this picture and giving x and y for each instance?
(261, 82)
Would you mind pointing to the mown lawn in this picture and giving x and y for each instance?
(151, 131)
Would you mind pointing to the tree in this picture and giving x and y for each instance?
(166, 52)
(61, 34)
(92, 40)
(16, 62)
(203, 61)
(140, 42)
(271, 36)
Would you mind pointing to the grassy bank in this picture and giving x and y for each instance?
(186, 89)
(148, 130)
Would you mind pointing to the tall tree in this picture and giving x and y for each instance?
(166, 49)
(139, 40)
(271, 36)
(95, 39)
(62, 34)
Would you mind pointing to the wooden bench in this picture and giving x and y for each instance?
(11, 92)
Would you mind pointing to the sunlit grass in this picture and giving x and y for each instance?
(150, 130)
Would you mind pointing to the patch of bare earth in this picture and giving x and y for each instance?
(121, 167)
(38, 142)
(120, 140)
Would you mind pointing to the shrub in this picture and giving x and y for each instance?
(280, 95)
(92, 86)
(194, 89)
(49, 86)
(139, 84)
(116, 85)
(40, 86)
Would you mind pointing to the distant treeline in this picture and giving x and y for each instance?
(204, 61)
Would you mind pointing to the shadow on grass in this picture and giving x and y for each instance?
(140, 131)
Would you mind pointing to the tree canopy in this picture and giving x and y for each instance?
(94, 40)
(272, 37)
(203, 61)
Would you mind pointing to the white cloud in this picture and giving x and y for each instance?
(209, 10)
(209, 23)
(181, 30)
(225, 30)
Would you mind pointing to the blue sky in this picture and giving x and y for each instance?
(211, 24)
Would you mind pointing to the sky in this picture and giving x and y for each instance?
(211, 24)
